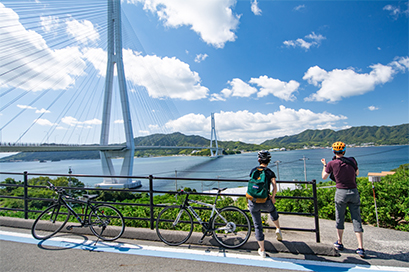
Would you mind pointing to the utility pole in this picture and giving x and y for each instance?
(278, 174)
(176, 183)
(69, 178)
(305, 168)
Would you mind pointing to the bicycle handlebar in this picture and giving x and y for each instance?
(181, 192)
(54, 188)
(219, 190)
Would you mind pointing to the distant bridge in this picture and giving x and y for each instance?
(13, 147)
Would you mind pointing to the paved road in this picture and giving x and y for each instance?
(69, 252)
(387, 250)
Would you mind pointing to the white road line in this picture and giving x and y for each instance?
(195, 254)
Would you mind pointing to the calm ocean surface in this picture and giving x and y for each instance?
(291, 167)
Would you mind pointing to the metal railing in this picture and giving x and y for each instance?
(151, 192)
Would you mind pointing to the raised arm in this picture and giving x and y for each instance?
(324, 174)
(274, 192)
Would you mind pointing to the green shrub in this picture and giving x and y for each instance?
(392, 199)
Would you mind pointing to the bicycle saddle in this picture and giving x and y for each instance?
(90, 196)
(220, 189)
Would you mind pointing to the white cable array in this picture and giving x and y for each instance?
(52, 69)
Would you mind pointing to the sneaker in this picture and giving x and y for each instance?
(279, 236)
(361, 252)
(262, 253)
(338, 246)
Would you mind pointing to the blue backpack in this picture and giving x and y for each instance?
(257, 188)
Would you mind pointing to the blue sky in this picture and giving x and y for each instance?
(265, 68)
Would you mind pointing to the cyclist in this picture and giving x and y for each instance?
(344, 171)
(264, 158)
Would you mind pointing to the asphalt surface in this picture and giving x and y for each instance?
(384, 248)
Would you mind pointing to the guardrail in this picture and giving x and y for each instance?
(151, 192)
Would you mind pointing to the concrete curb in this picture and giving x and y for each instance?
(271, 244)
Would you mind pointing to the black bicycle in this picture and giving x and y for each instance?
(230, 226)
(105, 221)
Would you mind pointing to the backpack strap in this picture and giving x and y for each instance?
(349, 161)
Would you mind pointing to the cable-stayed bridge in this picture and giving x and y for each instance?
(64, 69)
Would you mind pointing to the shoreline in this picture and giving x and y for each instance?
(189, 155)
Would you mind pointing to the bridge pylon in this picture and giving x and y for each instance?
(114, 37)
(214, 151)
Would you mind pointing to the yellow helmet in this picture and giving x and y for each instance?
(338, 147)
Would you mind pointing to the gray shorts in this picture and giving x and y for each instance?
(348, 198)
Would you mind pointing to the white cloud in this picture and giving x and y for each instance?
(162, 77)
(200, 57)
(213, 20)
(217, 97)
(49, 23)
(338, 84)
(82, 31)
(254, 8)
(119, 121)
(33, 108)
(94, 121)
(44, 122)
(255, 127)
(26, 107)
(276, 87)
(373, 108)
(395, 11)
(26, 71)
(299, 7)
(98, 58)
(71, 121)
(43, 111)
(314, 41)
(400, 64)
(239, 88)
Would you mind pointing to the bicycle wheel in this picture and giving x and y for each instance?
(50, 221)
(174, 225)
(232, 227)
(106, 222)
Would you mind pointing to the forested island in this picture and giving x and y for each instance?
(363, 135)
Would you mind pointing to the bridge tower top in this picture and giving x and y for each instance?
(214, 151)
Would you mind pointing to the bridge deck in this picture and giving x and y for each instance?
(51, 147)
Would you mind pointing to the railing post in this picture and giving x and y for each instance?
(317, 223)
(151, 200)
(25, 196)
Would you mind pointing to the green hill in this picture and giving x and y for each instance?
(384, 135)
(174, 139)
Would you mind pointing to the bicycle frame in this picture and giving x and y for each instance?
(62, 201)
(215, 211)
(230, 226)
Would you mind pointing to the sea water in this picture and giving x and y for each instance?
(294, 165)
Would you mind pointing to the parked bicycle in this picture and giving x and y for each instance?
(105, 221)
(230, 226)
